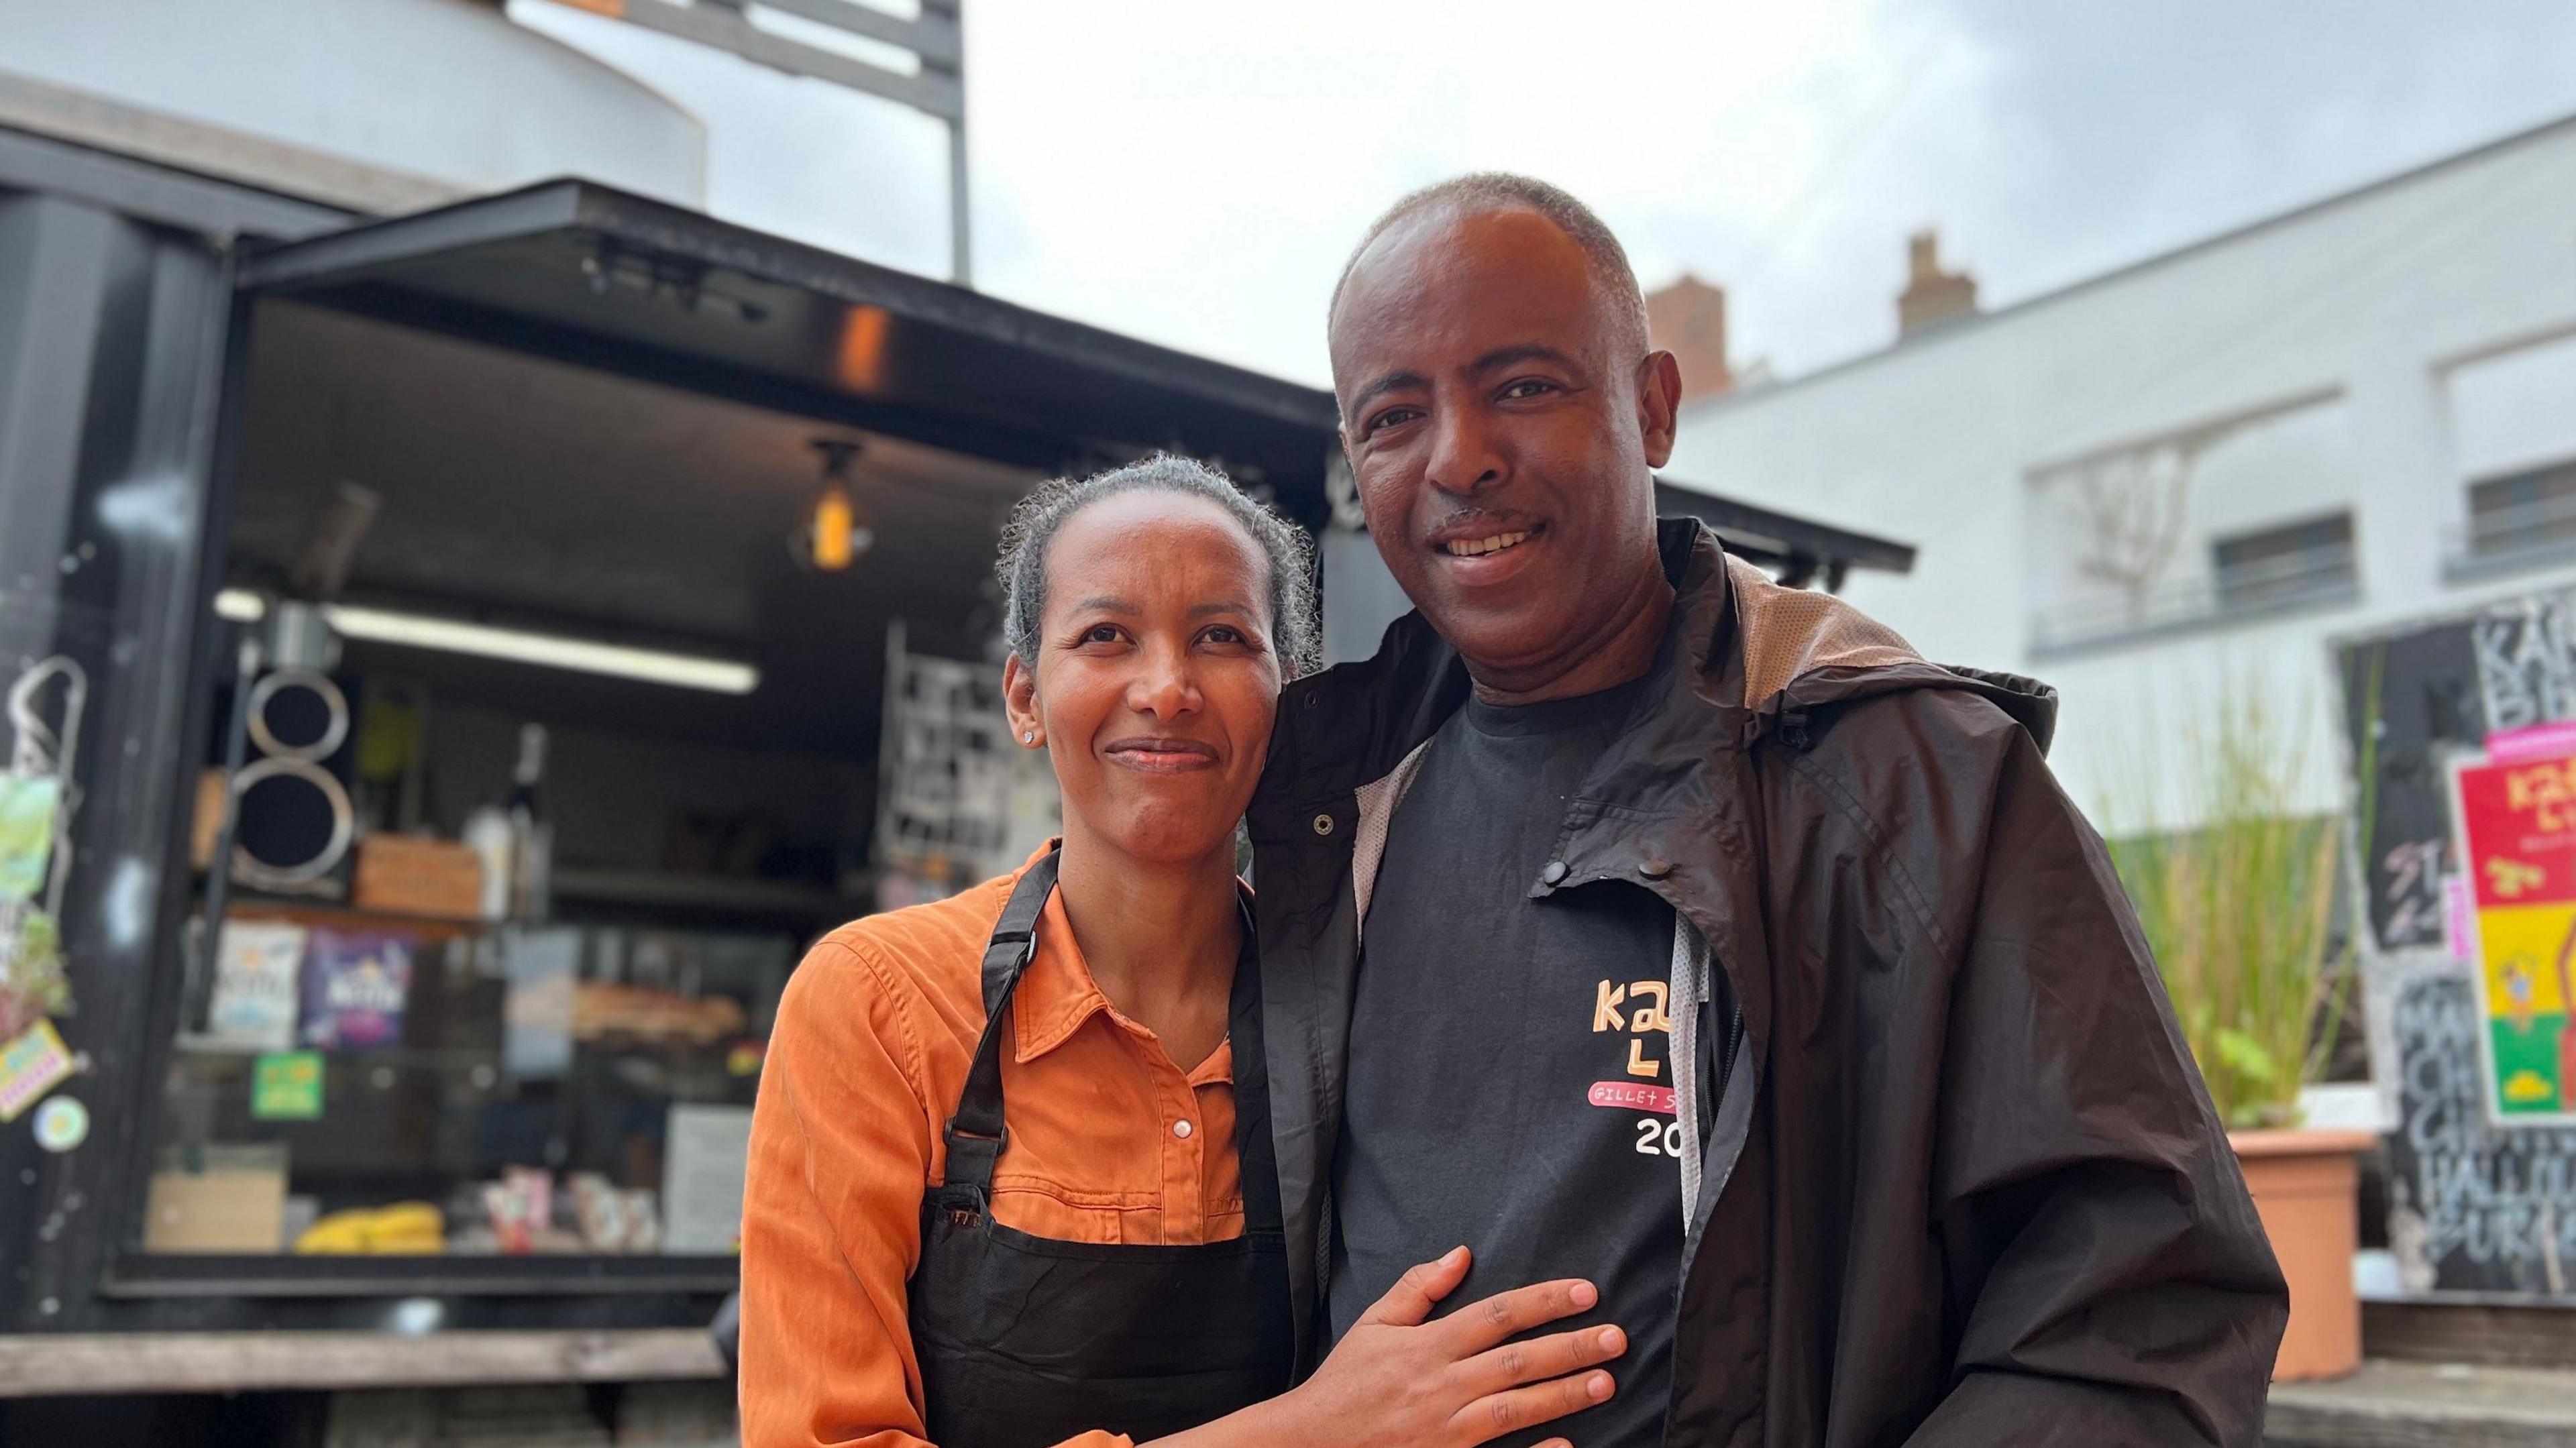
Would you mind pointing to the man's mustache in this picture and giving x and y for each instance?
(1478, 522)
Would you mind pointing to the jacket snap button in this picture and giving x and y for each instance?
(1655, 869)
(1554, 872)
(1323, 824)
(1181, 1129)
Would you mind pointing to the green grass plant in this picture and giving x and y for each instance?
(2238, 904)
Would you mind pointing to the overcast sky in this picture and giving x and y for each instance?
(1194, 171)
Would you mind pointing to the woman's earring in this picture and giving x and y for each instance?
(1031, 737)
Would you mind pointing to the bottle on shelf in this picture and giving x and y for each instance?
(487, 834)
(531, 830)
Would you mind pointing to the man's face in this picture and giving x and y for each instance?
(1501, 425)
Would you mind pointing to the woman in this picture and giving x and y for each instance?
(997, 1196)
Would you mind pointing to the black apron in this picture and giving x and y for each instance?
(1027, 1341)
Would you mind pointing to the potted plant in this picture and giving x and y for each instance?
(2237, 906)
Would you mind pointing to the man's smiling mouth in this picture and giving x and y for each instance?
(1478, 547)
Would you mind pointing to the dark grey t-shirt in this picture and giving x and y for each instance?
(1510, 1086)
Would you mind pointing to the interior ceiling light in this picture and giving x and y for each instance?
(550, 651)
(841, 528)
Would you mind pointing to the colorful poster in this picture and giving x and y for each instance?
(537, 1014)
(355, 983)
(257, 969)
(30, 810)
(2518, 839)
(33, 1064)
(286, 1086)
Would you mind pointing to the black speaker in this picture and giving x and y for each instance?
(293, 823)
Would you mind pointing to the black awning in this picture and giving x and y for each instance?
(599, 277)
(1800, 549)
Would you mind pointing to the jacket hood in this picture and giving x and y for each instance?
(1800, 650)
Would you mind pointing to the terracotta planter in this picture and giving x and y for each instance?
(2304, 1184)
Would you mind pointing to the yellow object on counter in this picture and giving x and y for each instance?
(402, 1228)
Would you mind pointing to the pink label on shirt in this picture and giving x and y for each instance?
(1633, 1096)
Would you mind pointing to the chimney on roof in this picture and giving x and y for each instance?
(1931, 295)
(1688, 319)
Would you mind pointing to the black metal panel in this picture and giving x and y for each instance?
(122, 488)
(573, 268)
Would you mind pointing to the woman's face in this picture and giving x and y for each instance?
(1156, 681)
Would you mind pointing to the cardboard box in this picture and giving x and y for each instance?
(418, 875)
(236, 1203)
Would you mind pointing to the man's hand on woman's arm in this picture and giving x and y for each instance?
(1397, 1380)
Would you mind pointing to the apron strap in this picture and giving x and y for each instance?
(975, 1133)
(1253, 1148)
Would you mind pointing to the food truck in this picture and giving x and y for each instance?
(454, 663)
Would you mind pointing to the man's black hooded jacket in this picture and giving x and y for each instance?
(1961, 1183)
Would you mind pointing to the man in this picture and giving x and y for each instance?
(1632, 917)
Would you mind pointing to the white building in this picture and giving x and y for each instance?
(2186, 476)
(383, 107)
(375, 106)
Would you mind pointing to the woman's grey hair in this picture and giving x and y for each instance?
(1023, 566)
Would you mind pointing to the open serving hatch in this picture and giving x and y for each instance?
(560, 458)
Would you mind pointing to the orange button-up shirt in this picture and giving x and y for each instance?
(866, 1064)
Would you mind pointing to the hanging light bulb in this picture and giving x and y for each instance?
(832, 550)
(841, 528)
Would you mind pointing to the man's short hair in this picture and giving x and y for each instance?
(1483, 191)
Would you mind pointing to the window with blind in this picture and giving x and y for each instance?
(2293, 563)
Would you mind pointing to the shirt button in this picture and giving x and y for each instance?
(1554, 872)
(1323, 824)
(1181, 1129)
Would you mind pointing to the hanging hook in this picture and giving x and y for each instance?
(39, 752)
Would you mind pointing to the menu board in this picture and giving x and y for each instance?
(958, 798)
(2474, 1205)
(703, 1161)
(2411, 699)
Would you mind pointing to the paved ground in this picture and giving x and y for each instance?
(2390, 1404)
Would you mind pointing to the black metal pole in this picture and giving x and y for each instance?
(961, 227)
(219, 868)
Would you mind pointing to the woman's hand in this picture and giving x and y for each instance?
(1396, 1380)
